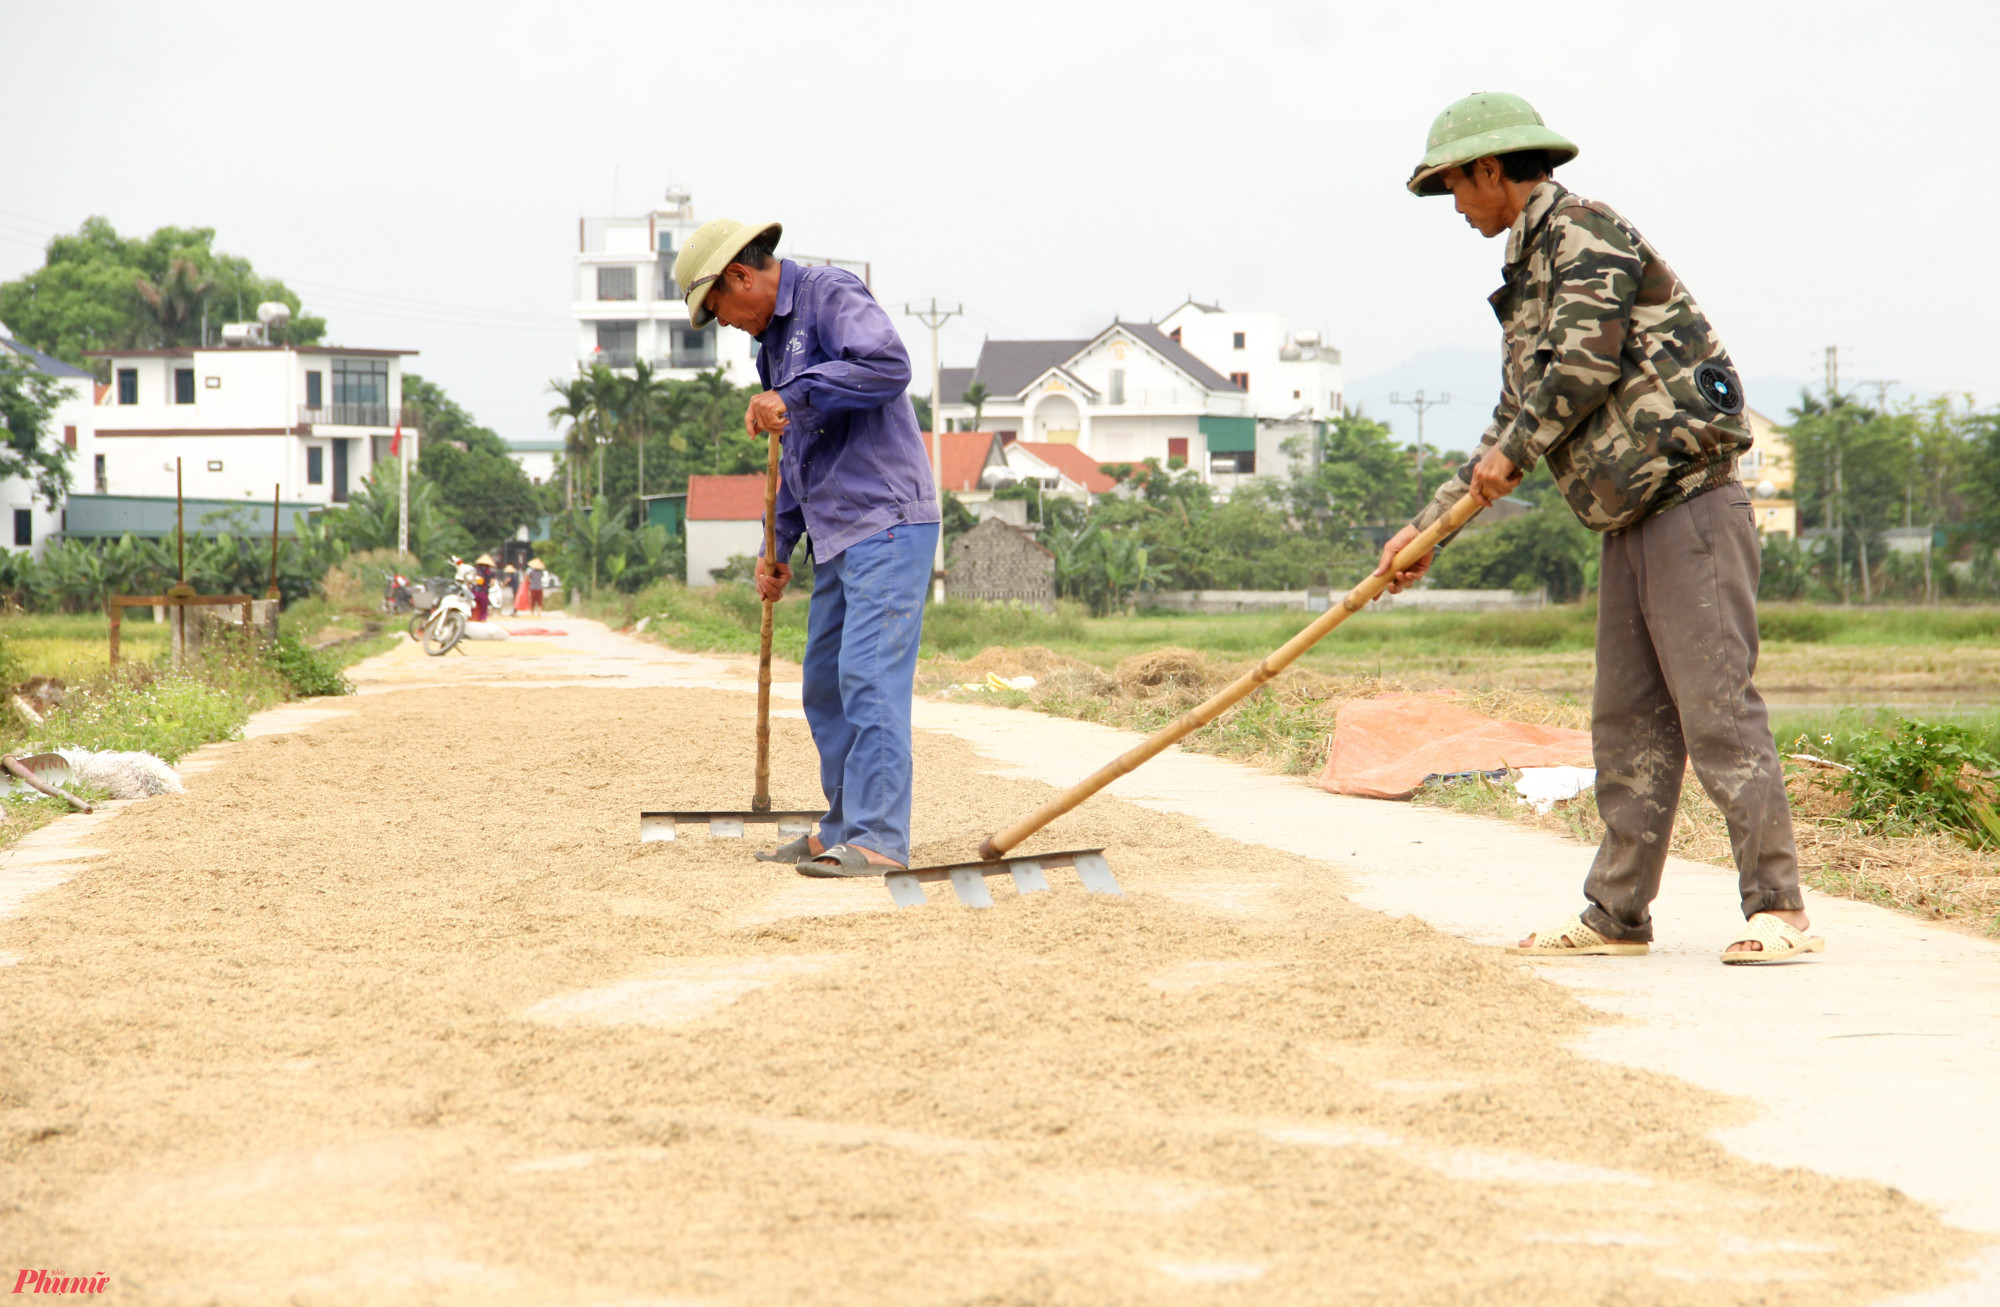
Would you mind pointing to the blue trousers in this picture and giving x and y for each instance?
(862, 634)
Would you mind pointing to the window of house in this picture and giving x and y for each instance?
(1239, 340)
(618, 342)
(694, 349)
(1295, 394)
(361, 392)
(666, 242)
(24, 526)
(1177, 448)
(97, 474)
(128, 385)
(183, 385)
(1175, 335)
(1246, 462)
(1753, 460)
(215, 465)
(315, 392)
(1241, 379)
(617, 284)
(315, 465)
(69, 437)
(1118, 385)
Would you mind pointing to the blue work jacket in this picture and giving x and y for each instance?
(852, 461)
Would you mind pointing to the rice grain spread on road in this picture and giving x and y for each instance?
(396, 1009)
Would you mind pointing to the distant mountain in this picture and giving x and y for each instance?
(1472, 378)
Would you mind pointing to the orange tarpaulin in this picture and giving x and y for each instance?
(1384, 747)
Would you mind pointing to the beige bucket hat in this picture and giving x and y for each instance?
(708, 252)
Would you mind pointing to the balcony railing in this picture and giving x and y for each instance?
(355, 415)
(625, 358)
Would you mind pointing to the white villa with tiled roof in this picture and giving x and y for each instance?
(1221, 391)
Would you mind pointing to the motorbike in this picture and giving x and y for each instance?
(396, 590)
(443, 607)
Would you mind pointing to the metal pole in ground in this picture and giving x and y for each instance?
(402, 495)
(935, 317)
(272, 592)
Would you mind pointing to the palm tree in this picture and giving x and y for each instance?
(174, 302)
(576, 409)
(975, 395)
(608, 411)
(646, 396)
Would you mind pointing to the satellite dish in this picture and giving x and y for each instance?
(273, 313)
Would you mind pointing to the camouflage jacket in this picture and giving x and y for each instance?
(1609, 370)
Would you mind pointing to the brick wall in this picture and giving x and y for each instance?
(998, 563)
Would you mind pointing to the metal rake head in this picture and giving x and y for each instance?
(655, 827)
(968, 879)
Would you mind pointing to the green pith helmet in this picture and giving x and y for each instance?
(1483, 123)
(708, 252)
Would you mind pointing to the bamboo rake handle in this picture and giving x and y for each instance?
(997, 844)
(761, 800)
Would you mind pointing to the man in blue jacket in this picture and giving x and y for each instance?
(853, 478)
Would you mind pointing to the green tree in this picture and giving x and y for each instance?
(596, 543)
(478, 482)
(1545, 548)
(1852, 467)
(694, 426)
(370, 520)
(574, 407)
(28, 399)
(99, 290)
(1358, 478)
(975, 395)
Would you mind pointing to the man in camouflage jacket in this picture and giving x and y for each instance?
(1613, 375)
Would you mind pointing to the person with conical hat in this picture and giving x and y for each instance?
(1614, 378)
(533, 582)
(482, 588)
(855, 482)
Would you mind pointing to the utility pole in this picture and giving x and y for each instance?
(402, 493)
(935, 317)
(1420, 404)
(1832, 374)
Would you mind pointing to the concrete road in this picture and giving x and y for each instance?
(1878, 1060)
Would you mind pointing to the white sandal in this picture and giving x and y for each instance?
(1573, 939)
(1777, 940)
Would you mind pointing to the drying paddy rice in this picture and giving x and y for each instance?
(395, 1010)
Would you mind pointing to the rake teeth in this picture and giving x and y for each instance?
(658, 827)
(968, 879)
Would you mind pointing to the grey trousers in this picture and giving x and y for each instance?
(1676, 645)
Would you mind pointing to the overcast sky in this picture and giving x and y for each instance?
(1819, 174)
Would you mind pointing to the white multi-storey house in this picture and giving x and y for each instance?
(1221, 392)
(313, 421)
(30, 519)
(626, 307)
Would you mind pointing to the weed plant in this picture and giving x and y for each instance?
(1925, 775)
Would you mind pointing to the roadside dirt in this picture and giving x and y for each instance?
(397, 1010)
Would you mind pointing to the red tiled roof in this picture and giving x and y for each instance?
(965, 454)
(726, 499)
(1072, 463)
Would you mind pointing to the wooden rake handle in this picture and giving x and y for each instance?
(1194, 719)
(760, 801)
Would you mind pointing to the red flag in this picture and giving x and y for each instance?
(396, 442)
